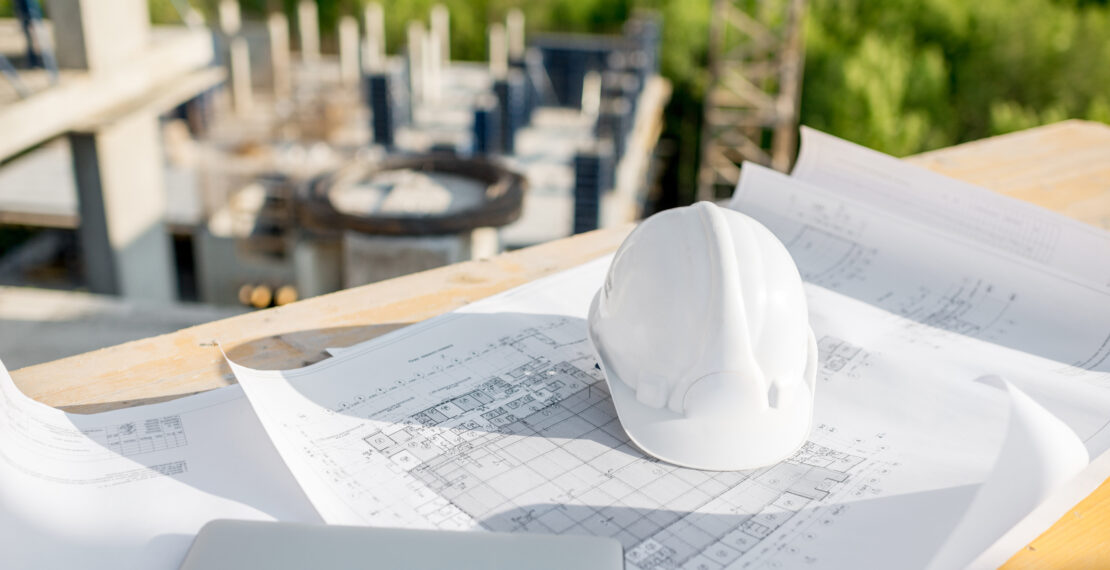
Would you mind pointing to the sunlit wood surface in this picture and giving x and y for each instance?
(1063, 167)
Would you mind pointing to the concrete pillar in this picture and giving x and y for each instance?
(122, 203)
(349, 72)
(416, 61)
(441, 29)
(383, 109)
(230, 20)
(278, 26)
(373, 56)
(514, 23)
(309, 28)
(118, 164)
(487, 125)
(498, 57)
(318, 265)
(98, 36)
(591, 95)
(239, 62)
(238, 56)
(431, 68)
(485, 243)
(373, 258)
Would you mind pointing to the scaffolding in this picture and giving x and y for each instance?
(756, 57)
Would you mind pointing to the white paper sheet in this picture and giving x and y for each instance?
(1019, 228)
(1052, 509)
(931, 276)
(445, 425)
(129, 488)
(1040, 455)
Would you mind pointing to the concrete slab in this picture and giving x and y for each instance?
(172, 53)
(38, 189)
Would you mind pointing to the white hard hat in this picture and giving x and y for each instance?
(702, 332)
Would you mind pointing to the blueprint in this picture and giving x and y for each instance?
(130, 488)
(976, 214)
(940, 279)
(497, 418)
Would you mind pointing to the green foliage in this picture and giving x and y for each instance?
(163, 12)
(905, 76)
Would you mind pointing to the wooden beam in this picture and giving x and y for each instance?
(190, 361)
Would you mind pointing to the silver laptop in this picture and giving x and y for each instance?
(244, 545)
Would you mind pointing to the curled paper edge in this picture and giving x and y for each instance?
(1040, 454)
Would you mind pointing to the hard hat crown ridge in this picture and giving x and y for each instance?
(703, 335)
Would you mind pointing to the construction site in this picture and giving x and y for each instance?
(584, 283)
(235, 163)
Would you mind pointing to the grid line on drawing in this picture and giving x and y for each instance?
(533, 487)
(535, 445)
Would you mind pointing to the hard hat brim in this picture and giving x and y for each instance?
(714, 443)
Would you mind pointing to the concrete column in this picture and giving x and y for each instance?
(318, 265)
(118, 164)
(373, 56)
(97, 36)
(416, 61)
(373, 258)
(122, 203)
(498, 57)
(514, 22)
(278, 26)
(239, 62)
(591, 95)
(238, 56)
(309, 27)
(431, 68)
(349, 72)
(441, 29)
(230, 19)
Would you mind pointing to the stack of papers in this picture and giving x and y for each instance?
(964, 384)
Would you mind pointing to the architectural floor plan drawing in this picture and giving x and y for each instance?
(934, 276)
(839, 358)
(971, 306)
(129, 488)
(520, 435)
(496, 417)
(133, 438)
(953, 206)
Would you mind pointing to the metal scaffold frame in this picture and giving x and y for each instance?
(755, 77)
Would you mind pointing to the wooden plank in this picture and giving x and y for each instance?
(189, 360)
(1063, 167)
(1080, 539)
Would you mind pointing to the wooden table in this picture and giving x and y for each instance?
(1064, 167)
